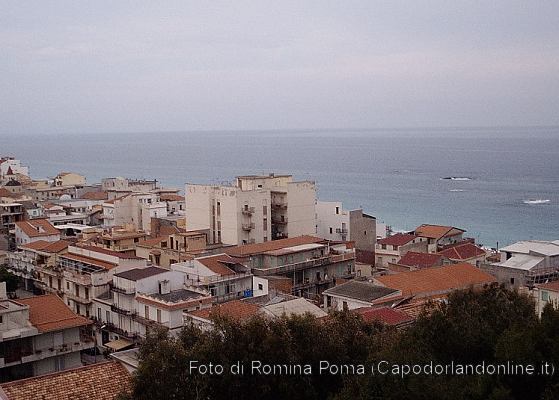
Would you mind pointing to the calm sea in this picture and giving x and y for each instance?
(392, 174)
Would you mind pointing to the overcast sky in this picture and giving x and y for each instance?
(96, 66)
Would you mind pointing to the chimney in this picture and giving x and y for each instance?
(164, 287)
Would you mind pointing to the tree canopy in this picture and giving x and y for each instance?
(493, 325)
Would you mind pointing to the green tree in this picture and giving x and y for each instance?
(12, 281)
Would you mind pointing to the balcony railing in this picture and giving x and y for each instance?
(342, 231)
(298, 266)
(248, 227)
(121, 290)
(120, 310)
(279, 221)
(279, 206)
(247, 210)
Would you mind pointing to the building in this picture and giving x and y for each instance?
(546, 293)
(31, 259)
(32, 230)
(465, 251)
(40, 335)
(255, 209)
(436, 282)
(385, 315)
(223, 276)
(439, 235)
(135, 209)
(527, 263)
(10, 213)
(10, 167)
(392, 248)
(69, 179)
(171, 249)
(357, 294)
(335, 223)
(118, 311)
(116, 187)
(102, 381)
(312, 264)
(83, 273)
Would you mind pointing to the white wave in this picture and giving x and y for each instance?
(456, 190)
(536, 201)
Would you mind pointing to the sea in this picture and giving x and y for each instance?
(500, 184)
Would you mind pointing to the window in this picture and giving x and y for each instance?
(159, 316)
(545, 295)
(146, 312)
(86, 293)
(1, 319)
(78, 311)
(67, 285)
(337, 210)
(108, 316)
(265, 238)
(99, 314)
(265, 224)
(218, 208)
(260, 286)
(512, 281)
(330, 230)
(265, 210)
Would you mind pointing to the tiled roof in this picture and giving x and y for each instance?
(420, 260)
(361, 290)
(398, 239)
(554, 286)
(434, 231)
(153, 241)
(218, 264)
(6, 193)
(47, 247)
(171, 197)
(436, 280)
(29, 227)
(250, 249)
(463, 251)
(140, 273)
(49, 313)
(95, 196)
(235, 309)
(386, 315)
(102, 381)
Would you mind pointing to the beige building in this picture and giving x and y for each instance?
(166, 250)
(255, 209)
(135, 209)
(392, 248)
(39, 335)
(69, 179)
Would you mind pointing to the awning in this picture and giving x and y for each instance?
(119, 344)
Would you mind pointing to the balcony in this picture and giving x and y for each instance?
(279, 206)
(120, 310)
(302, 265)
(341, 231)
(78, 299)
(279, 221)
(247, 211)
(248, 227)
(122, 290)
(81, 279)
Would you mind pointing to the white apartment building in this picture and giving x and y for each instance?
(32, 230)
(135, 209)
(335, 223)
(255, 209)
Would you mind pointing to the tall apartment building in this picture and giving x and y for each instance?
(135, 209)
(255, 209)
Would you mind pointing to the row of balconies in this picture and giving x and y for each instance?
(36, 355)
(301, 265)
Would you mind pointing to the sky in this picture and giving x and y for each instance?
(116, 66)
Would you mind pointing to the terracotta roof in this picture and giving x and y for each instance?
(102, 381)
(439, 280)
(153, 241)
(140, 273)
(108, 252)
(434, 231)
(171, 197)
(49, 313)
(398, 239)
(463, 251)
(420, 260)
(361, 290)
(218, 264)
(235, 309)
(554, 286)
(89, 260)
(29, 227)
(250, 249)
(95, 196)
(386, 315)
(48, 247)
(6, 193)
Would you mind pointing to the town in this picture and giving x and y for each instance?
(90, 269)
